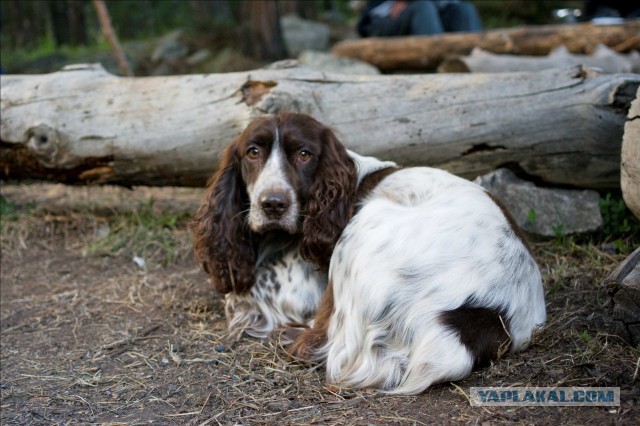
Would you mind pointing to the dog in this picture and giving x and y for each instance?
(415, 276)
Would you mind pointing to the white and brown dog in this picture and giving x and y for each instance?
(406, 276)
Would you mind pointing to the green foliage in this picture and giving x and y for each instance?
(532, 216)
(620, 226)
(47, 48)
(143, 232)
(559, 233)
(511, 13)
(555, 288)
(8, 210)
(585, 336)
(148, 18)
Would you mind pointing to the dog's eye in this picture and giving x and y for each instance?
(304, 155)
(253, 153)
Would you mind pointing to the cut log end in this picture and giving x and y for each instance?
(623, 286)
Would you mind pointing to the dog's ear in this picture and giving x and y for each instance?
(331, 201)
(223, 243)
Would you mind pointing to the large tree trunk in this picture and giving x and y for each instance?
(266, 38)
(69, 27)
(427, 52)
(85, 125)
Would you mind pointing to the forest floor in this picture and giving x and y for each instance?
(89, 336)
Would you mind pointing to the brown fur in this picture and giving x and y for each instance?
(370, 181)
(223, 244)
(482, 330)
(326, 185)
(512, 223)
(311, 339)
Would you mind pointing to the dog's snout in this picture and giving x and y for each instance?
(275, 204)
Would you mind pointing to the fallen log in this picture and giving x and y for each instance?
(427, 52)
(630, 159)
(603, 58)
(85, 125)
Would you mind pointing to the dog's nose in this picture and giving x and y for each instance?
(275, 204)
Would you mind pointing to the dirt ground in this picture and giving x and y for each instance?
(90, 336)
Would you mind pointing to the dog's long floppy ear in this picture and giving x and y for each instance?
(223, 243)
(331, 201)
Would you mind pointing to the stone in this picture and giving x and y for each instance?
(546, 212)
(199, 57)
(300, 34)
(324, 61)
(170, 48)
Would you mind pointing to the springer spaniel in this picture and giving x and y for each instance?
(428, 277)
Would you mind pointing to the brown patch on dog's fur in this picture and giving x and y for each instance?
(312, 339)
(512, 223)
(370, 181)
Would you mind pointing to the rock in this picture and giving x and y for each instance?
(162, 69)
(544, 211)
(170, 48)
(226, 60)
(300, 34)
(623, 286)
(630, 159)
(324, 61)
(199, 57)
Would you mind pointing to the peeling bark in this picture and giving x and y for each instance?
(81, 125)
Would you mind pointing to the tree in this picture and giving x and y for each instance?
(211, 13)
(24, 23)
(69, 22)
(265, 37)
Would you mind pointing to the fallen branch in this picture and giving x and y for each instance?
(80, 125)
(427, 52)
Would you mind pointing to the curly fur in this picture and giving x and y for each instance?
(224, 245)
(325, 186)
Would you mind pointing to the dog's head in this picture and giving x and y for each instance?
(286, 172)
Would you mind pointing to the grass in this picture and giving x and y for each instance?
(8, 210)
(143, 232)
(620, 226)
(111, 224)
(46, 48)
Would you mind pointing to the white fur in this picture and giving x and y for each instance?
(368, 165)
(287, 290)
(423, 242)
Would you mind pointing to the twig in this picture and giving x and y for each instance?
(112, 38)
(462, 392)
